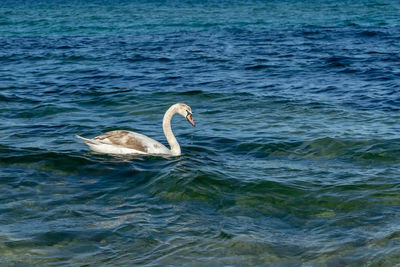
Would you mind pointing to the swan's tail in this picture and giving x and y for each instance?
(87, 141)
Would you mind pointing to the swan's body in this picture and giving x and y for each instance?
(127, 142)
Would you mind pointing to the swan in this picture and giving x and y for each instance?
(127, 142)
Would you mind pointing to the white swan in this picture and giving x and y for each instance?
(127, 142)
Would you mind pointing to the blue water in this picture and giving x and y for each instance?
(294, 160)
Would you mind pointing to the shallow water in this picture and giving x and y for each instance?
(294, 159)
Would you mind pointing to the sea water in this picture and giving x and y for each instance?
(294, 159)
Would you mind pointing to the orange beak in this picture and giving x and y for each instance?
(189, 117)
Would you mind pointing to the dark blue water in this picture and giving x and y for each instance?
(294, 160)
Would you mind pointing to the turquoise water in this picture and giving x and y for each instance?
(294, 160)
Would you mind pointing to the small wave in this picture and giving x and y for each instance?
(42, 110)
(14, 155)
(18, 99)
(338, 61)
(164, 59)
(215, 96)
(257, 67)
(370, 33)
(368, 151)
(64, 47)
(137, 58)
(193, 92)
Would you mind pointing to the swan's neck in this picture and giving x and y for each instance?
(173, 143)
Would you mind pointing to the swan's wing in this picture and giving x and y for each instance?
(131, 140)
(121, 138)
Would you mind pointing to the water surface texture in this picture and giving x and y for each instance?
(294, 160)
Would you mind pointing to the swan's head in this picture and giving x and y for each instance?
(186, 112)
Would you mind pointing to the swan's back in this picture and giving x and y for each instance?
(124, 142)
